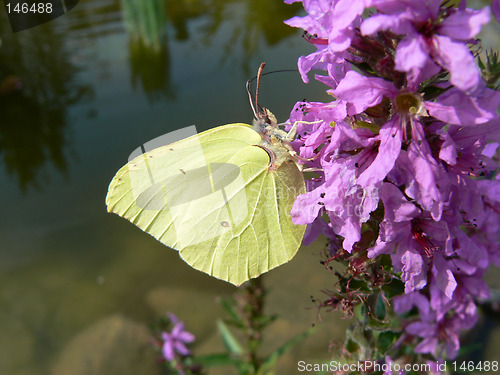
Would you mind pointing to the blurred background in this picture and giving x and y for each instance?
(78, 286)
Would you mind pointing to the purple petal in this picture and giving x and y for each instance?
(458, 60)
(490, 189)
(390, 6)
(185, 336)
(427, 345)
(412, 54)
(181, 348)
(178, 328)
(389, 235)
(311, 61)
(421, 329)
(448, 150)
(306, 208)
(476, 287)
(363, 92)
(470, 251)
(340, 40)
(345, 202)
(396, 206)
(464, 25)
(452, 345)
(456, 107)
(307, 23)
(168, 350)
(490, 149)
(348, 226)
(444, 277)
(415, 10)
(426, 173)
(424, 10)
(388, 152)
(317, 8)
(380, 22)
(346, 11)
(313, 230)
(415, 77)
(381, 247)
(414, 271)
(173, 319)
(406, 302)
(495, 9)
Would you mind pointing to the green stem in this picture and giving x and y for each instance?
(251, 305)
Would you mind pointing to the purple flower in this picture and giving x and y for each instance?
(347, 204)
(391, 364)
(174, 342)
(432, 37)
(458, 108)
(330, 26)
(440, 337)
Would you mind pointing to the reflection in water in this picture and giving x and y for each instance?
(149, 57)
(145, 20)
(248, 24)
(258, 18)
(257, 21)
(37, 80)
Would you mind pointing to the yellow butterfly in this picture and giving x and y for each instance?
(222, 198)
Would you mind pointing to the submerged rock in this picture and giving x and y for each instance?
(114, 345)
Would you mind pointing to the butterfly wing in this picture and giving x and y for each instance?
(212, 198)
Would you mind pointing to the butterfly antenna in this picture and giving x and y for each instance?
(250, 97)
(259, 74)
(255, 108)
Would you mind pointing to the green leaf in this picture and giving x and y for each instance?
(352, 346)
(480, 63)
(385, 262)
(395, 288)
(386, 339)
(265, 320)
(270, 361)
(229, 305)
(230, 342)
(380, 308)
(379, 325)
(357, 284)
(358, 341)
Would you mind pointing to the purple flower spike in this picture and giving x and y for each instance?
(406, 155)
(431, 38)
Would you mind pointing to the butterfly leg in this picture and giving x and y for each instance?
(313, 170)
(293, 131)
